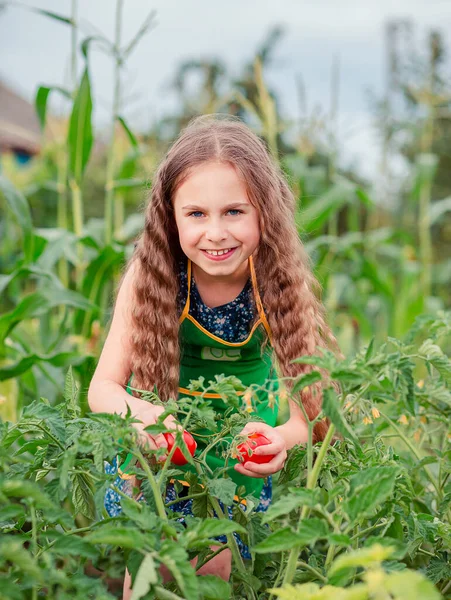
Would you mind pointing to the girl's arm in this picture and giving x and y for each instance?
(106, 391)
(295, 430)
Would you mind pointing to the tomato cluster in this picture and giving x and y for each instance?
(244, 451)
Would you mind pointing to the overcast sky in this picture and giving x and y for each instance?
(35, 50)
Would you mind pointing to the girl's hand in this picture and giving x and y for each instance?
(148, 415)
(277, 446)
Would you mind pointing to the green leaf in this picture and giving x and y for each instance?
(95, 38)
(224, 489)
(48, 417)
(294, 465)
(80, 136)
(131, 137)
(96, 279)
(399, 548)
(176, 560)
(312, 591)
(312, 530)
(297, 498)
(83, 495)
(439, 570)
(410, 585)
(348, 376)
(59, 359)
(306, 380)
(438, 359)
(332, 411)
(73, 545)
(67, 464)
(28, 271)
(39, 303)
(18, 205)
(280, 540)
(15, 488)
(214, 588)
(13, 551)
(324, 207)
(147, 25)
(209, 528)
(71, 395)
(122, 537)
(145, 578)
(368, 489)
(363, 557)
(52, 15)
(41, 99)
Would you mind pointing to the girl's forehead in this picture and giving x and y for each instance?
(211, 182)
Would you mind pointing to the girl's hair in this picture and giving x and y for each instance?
(286, 283)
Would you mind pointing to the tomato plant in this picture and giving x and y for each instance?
(178, 458)
(245, 451)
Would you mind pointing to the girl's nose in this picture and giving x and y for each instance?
(216, 233)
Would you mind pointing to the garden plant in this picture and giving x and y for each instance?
(364, 515)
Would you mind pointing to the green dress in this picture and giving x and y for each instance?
(204, 354)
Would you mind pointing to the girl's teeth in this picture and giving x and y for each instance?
(217, 252)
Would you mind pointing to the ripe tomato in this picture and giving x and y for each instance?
(178, 457)
(245, 450)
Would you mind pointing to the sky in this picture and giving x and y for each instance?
(35, 50)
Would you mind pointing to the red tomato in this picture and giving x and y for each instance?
(245, 450)
(178, 457)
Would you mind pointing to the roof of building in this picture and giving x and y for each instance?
(19, 125)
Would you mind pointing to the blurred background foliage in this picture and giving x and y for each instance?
(72, 205)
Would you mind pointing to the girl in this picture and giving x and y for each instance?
(219, 283)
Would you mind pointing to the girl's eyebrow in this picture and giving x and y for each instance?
(229, 207)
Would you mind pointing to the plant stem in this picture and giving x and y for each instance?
(109, 184)
(153, 484)
(231, 542)
(34, 543)
(305, 565)
(311, 482)
(211, 556)
(163, 594)
(77, 210)
(189, 497)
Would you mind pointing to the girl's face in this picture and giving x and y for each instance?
(213, 213)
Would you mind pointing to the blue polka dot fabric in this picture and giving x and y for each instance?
(113, 507)
(232, 322)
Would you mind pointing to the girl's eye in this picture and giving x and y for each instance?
(195, 213)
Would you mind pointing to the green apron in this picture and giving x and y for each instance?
(204, 354)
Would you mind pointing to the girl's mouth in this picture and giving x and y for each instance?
(219, 255)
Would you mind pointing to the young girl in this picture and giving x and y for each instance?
(219, 283)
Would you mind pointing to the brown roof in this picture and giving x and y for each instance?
(19, 125)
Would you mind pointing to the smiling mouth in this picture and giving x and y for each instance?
(218, 252)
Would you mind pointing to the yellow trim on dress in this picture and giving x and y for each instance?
(262, 320)
(207, 395)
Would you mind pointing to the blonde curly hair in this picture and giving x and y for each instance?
(294, 312)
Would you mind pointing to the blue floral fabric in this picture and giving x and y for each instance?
(231, 322)
(113, 507)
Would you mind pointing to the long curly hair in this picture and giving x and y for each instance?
(288, 289)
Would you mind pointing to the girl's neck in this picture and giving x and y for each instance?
(216, 291)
